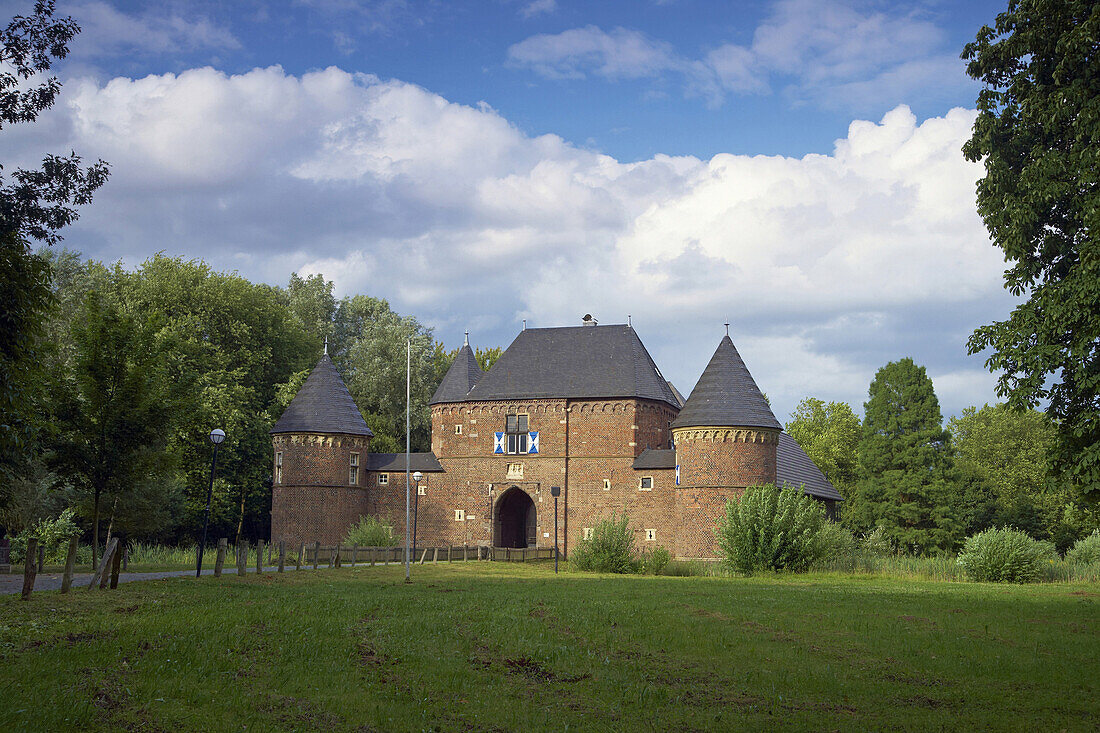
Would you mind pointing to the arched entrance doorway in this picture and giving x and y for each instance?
(514, 520)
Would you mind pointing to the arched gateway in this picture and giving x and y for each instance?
(514, 520)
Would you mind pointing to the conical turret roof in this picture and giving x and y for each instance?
(460, 378)
(323, 405)
(726, 395)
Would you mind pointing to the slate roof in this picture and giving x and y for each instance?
(676, 393)
(460, 378)
(656, 458)
(582, 362)
(726, 395)
(395, 462)
(322, 405)
(794, 468)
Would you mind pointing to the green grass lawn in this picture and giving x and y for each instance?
(494, 646)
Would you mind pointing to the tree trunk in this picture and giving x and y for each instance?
(111, 522)
(95, 528)
(240, 521)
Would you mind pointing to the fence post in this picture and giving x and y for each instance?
(29, 568)
(219, 559)
(116, 564)
(301, 551)
(259, 556)
(41, 557)
(465, 555)
(70, 565)
(354, 554)
(242, 557)
(126, 558)
(282, 555)
(100, 577)
(316, 553)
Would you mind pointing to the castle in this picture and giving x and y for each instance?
(584, 409)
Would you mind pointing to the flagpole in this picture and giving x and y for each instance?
(408, 412)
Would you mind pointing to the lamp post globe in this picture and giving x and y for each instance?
(217, 436)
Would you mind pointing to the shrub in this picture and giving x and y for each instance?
(837, 542)
(610, 549)
(53, 534)
(877, 543)
(1086, 551)
(771, 529)
(654, 561)
(371, 532)
(1004, 555)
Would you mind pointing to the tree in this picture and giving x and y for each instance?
(904, 456)
(829, 433)
(312, 303)
(1038, 132)
(113, 420)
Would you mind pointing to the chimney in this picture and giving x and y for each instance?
(588, 320)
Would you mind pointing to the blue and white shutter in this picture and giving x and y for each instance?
(498, 442)
(533, 441)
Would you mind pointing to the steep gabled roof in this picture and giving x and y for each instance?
(793, 468)
(581, 362)
(726, 395)
(464, 373)
(323, 405)
(395, 462)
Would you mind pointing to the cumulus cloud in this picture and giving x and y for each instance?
(107, 30)
(826, 52)
(538, 7)
(826, 265)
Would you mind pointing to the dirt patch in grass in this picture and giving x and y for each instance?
(128, 609)
(1085, 594)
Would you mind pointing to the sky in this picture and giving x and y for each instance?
(790, 167)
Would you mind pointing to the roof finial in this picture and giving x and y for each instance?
(326, 345)
(727, 328)
(467, 337)
(524, 324)
(628, 321)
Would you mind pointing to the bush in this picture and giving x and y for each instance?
(837, 542)
(610, 549)
(1087, 550)
(654, 561)
(371, 532)
(53, 534)
(1004, 555)
(877, 543)
(772, 529)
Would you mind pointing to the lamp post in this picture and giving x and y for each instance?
(555, 491)
(217, 435)
(416, 505)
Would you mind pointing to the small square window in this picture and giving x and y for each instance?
(383, 479)
(458, 429)
(651, 535)
(646, 484)
(607, 484)
(460, 515)
(422, 490)
(586, 533)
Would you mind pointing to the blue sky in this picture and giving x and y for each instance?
(792, 166)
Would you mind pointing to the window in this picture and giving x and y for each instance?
(353, 470)
(383, 479)
(422, 490)
(607, 484)
(458, 429)
(646, 484)
(460, 515)
(279, 467)
(651, 535)
(516, 430)
(586, 533)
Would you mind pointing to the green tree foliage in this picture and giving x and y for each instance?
(610, 549)
(313, 304)
(1086, 550)
(904, 461)
(114, 414)
(829, 433)
(770, 528)
(1004, 556)
(371, 532)
(1038, 133)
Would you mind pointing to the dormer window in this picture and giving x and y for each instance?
(516, 431)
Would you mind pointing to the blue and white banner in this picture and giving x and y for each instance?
(498, 443)
(533, 442)
(677, 474)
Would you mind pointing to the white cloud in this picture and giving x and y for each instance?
(827, 265)
(538, 7)
(827, 52)
(107, 30)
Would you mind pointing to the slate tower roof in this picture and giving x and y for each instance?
(323, 405)
(580, 362)
(726, 395)
(460, 378)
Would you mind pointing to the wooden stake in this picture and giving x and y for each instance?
(100, 577)
(116, 564)
(70, 565)
(259, 556)
(242, 557)
(316, 553)
(219, 559)
(301, 551)
(282, 556)
(29, 568)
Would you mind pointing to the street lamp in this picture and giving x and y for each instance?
(416, 505)
(217, 435)
(555, 491)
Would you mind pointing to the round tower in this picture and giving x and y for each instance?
(725, 438)
(321, 445)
